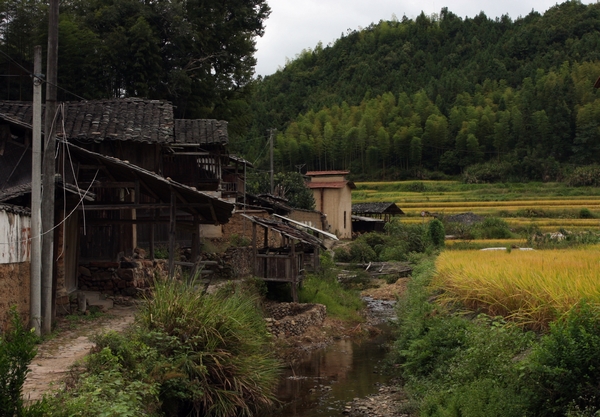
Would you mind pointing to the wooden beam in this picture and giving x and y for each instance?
(108, 184)
(172, 235)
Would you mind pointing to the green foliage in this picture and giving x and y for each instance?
(218, 363)
(107, 388)
(492, 228)
(585, 176)
(488, 172)
(436, 233)
(17, 349)
(585, 213)
(324, 288)
(239, 241)
(564, 368)
(289, 185)
(190, 354)
(453, 365)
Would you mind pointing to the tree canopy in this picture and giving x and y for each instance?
(198, 54)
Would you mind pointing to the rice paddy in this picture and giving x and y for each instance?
(547, 206)
(531, 288)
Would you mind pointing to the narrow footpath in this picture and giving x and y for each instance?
(56, 356)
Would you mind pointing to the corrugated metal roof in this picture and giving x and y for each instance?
(286, 230)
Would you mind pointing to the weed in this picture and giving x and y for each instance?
(17, 349)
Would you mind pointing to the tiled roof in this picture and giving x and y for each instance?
(333, 184)
(376, 208)
(322, 173)
(130, 119)
(203, 131)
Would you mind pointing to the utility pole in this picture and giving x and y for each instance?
(271, 158)
(49, 184)
(35, 311)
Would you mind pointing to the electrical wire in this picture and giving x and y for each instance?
(42, 79)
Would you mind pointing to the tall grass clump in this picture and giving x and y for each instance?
(219, 363)
(530, 287)
(188, 354)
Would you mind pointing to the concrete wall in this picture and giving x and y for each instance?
(336, 203)
(310, 218)
(15, 235)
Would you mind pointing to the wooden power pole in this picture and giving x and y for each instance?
(49, 184)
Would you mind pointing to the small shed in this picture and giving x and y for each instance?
(372, 217)
(286, 257)
(383, 210)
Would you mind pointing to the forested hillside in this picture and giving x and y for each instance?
(440, 93)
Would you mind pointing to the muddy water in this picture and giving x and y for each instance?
(328, 378)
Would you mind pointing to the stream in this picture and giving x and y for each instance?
(328, 378)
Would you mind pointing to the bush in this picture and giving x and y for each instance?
(585, 176)
(17, 349)
(488, 172)
(436, 233)
(585, 213)
(492, 228)
(565, 368)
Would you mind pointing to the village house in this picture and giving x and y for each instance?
(112, 186)
(333, 197)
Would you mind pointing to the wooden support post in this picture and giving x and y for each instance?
(172, 235)
(255, 250)
(294, 271)
(195, 240)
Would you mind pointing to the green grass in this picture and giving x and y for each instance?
(342, 303)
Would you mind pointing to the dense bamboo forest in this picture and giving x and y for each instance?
(438, 94)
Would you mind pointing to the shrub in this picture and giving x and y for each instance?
(492, 228)
(361, 252)
(488, 172)
(564, 369)
(436, 233)
(585, 213)
(585, 176)
(17, 349)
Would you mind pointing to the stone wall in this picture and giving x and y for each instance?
(126, 277)
(292, 319)
(14, 287)
(240, 260)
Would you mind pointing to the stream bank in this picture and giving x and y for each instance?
(339, 370)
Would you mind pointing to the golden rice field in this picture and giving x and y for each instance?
(549, 207)
(531, 288)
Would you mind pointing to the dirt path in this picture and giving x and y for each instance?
(56, 356)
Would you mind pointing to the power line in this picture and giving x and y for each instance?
(39, 77)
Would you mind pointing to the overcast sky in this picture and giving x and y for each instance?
(295, 25)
